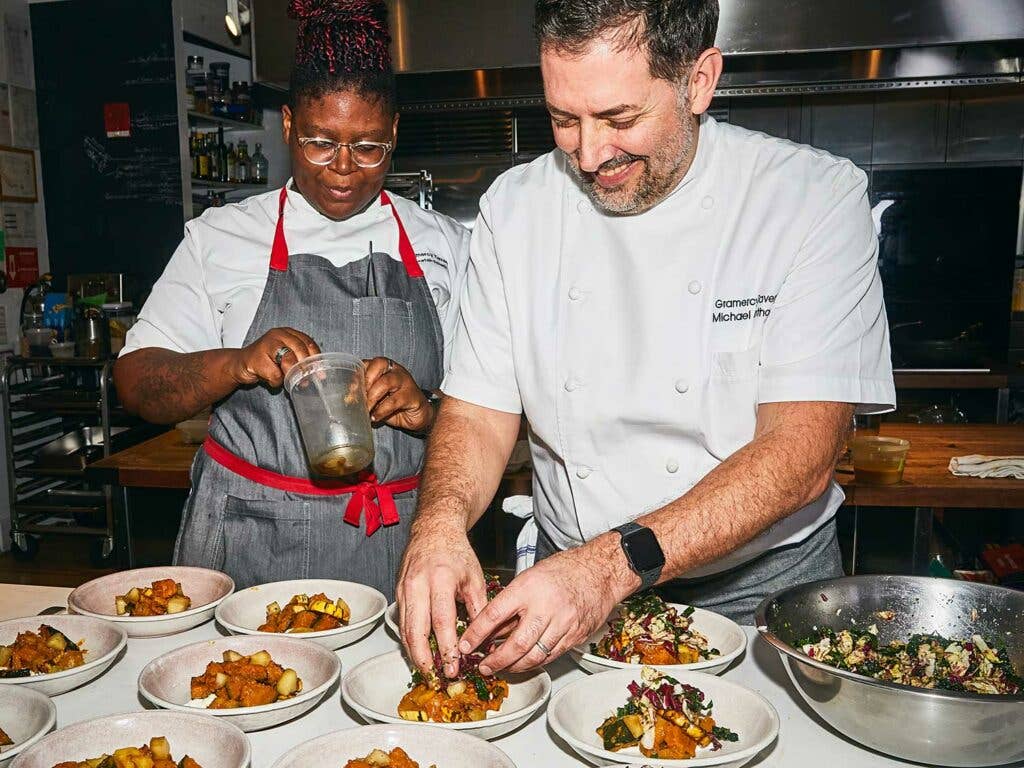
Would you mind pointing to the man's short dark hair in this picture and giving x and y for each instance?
(672, 32)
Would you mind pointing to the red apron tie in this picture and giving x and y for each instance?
(368, 495)
(377, 501)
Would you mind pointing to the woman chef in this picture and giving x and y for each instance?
(330, 262)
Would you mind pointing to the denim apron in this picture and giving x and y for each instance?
(255, 512)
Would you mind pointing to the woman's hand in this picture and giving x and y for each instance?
(260, 361)
(394, 397)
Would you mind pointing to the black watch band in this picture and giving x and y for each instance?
(643, 552)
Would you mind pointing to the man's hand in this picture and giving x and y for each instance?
(394, 397)
(559, 602)
(259, 362)
(439, 568)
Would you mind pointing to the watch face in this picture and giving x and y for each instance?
(644, 551)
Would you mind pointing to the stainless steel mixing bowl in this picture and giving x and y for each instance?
(926, 726)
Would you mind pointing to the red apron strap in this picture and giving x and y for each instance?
(279, 251)
(374, 499)
(412, 267)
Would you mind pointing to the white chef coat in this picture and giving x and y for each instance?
(207, 296)
(639, 347)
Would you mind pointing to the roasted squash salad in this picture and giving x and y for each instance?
(396, 758)
(163, 597)
(467, 697)
(650, 631)
(40, 653)
(976, 665)
(243, 681)
(157, 754)
(307, 614)
(666, 719)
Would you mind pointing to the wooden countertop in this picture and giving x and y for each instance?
(165, 462)
(927, 481)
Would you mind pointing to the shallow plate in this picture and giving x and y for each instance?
(245, 611)
(166, 680)
(101, 641)
(212, 743)
(581, 706)
(722, 633)
(206, 589)
(425, 744)
(374, 688)
(26, 716)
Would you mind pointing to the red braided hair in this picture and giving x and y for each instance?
(341, 36)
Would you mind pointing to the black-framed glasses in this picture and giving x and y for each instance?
(365, 154)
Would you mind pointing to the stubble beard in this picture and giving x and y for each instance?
(662, 171)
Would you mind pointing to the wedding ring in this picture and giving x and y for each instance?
(279, 355)
(391, 365)
(544, 649)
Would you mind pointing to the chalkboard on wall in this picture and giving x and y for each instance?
(113, 204)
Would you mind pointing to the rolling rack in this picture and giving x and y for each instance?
(60, 415)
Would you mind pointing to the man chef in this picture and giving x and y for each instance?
(688, 314)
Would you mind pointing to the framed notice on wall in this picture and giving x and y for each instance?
(18, 175)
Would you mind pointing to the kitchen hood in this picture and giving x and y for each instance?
(468, 50)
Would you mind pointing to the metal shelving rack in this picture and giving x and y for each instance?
(46, 400)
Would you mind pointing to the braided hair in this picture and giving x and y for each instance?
(342, 45)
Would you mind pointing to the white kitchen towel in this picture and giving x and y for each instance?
(526, 542)
(987, 466)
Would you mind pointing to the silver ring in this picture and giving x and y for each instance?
(391, 365)
(544, 648)
(279, 355)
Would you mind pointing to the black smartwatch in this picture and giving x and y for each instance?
(643, 552)
(432, 397)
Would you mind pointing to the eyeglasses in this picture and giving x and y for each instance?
(365, 154)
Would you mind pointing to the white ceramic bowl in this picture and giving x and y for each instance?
(425, 744)
(581, 706)
(101, 640)
(206, 588)
(166, 680)
(212, 743)
(244, 611)
(26, 716)
(391, 620)
(374, 688)
(722, 633)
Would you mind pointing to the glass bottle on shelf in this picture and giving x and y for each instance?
(232, 163)
(260, 166)
(243, 162)
(222, 156)
(217, 86)
(211, 148)
(203, 159)
(195, 85)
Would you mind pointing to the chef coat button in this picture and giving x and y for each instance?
(694, 287)
(682, 387)
(575, 294)
(583, 473)
(570, 385)
(581, 206)
(707, 202)
(672, 466)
